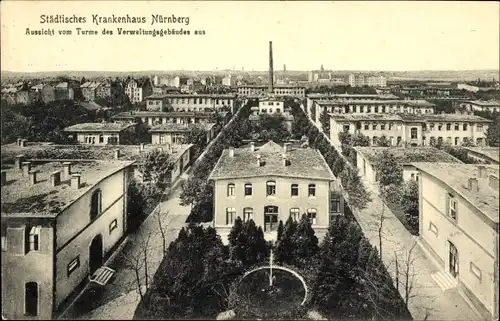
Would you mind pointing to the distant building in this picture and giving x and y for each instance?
(367, 159)
(25, 96)
(468, 87)
(48, 93)
(152, 118)
(271, 183)
(110, 89)
(458, 223)
(89, 90)
(198, 102)
(360, 80)
(173, 134)
(278, 90)
(414, 130)
(229, 81)
(64, 91)
(57, 241)
(137, 90)
(481, 105)
(102, 133)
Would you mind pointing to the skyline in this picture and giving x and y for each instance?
(422, 36)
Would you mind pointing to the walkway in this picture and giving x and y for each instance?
(120, 299)
(428, 301)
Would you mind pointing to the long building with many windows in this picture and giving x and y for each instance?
(271, 183)
(458, 208)
(414, 130)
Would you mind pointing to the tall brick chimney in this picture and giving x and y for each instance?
(271, 73)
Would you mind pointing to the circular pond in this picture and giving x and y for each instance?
(288, 291)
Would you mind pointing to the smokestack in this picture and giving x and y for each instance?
(19, 161)
(231, 151)
(259, 161)
(75, 181)
(473, 184)
(55, 178)
(252, 146)
(271, 74)
(117, 153)
(26, 168)
(32, 175)
(481, 170)
(67, 170)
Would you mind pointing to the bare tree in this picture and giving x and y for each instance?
(380, 229)
(407, 274)
(139, 265)
(163, 228)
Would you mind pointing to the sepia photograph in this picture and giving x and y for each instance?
(250, 160)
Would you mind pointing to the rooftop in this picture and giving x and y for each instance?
(132, 115)
(101, 127)
(41, 150)
(490, 152)
(175, 95)
(456, 176)
(487, 103)
(417, 103)
(382, 97)
(304, 163)
(408, 117)
(21, 197)
(180, 128)
(409, 154)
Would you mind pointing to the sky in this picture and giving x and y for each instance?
(345, 35)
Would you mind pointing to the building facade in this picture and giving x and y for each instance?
(196, 102)
(415, 130)
(479, 105)
(174, 134)
(102, 133)
(278, 90)
(58, 244)
(64, 91)
(361, 80)
(271, 183)
(458, 206)
(151, 118)
(138, 89)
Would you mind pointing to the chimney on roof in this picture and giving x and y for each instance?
(473, 184)
(32, 175)
(4, 178)
(287, 147)
(481, 171)
(259, 161)
(55, 178)
(75, 181)
(67, 170)
(271, 72)
(23, 142)
(19, 141)
(117, 153)
(252, 146)
(493, 182)
(19, 161)
(26, 168)
(231, 151)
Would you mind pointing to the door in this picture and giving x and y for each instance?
(453, 260)
(270, 218)
(95, 254)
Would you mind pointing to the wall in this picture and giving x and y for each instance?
(282, 199)
(19, 268)
(474, 239)
(80, 137)
(75, 231)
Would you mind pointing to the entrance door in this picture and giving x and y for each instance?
(270, 218)
(95, 254)
(453, 260)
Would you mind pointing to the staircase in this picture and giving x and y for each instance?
(444, 281)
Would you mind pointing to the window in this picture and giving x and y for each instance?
(398, 141)
(95, 204)
(270, 218)
(431, 126)
(390, 126)
(230, 189)
(113, 225)
(457, 127)
(367, 126)
(382, 127)
(294, 190)
(311, 214)
(247, 214)
(452, 207)
(440, 126)
(335, 206)
(248, 189)
(479, 128)
(465, 126)
(230, 215)
(31, 299)
(32, 239)
(375, 140)
(457, 140)
(413, 133)
(479, 141)
(73, 265)
(346, 128)
(433, 228)
(412, 177)
(295, 214)
(448, 126)
(374, 127)
(311, 191)
(271, 188)
(475, 270)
